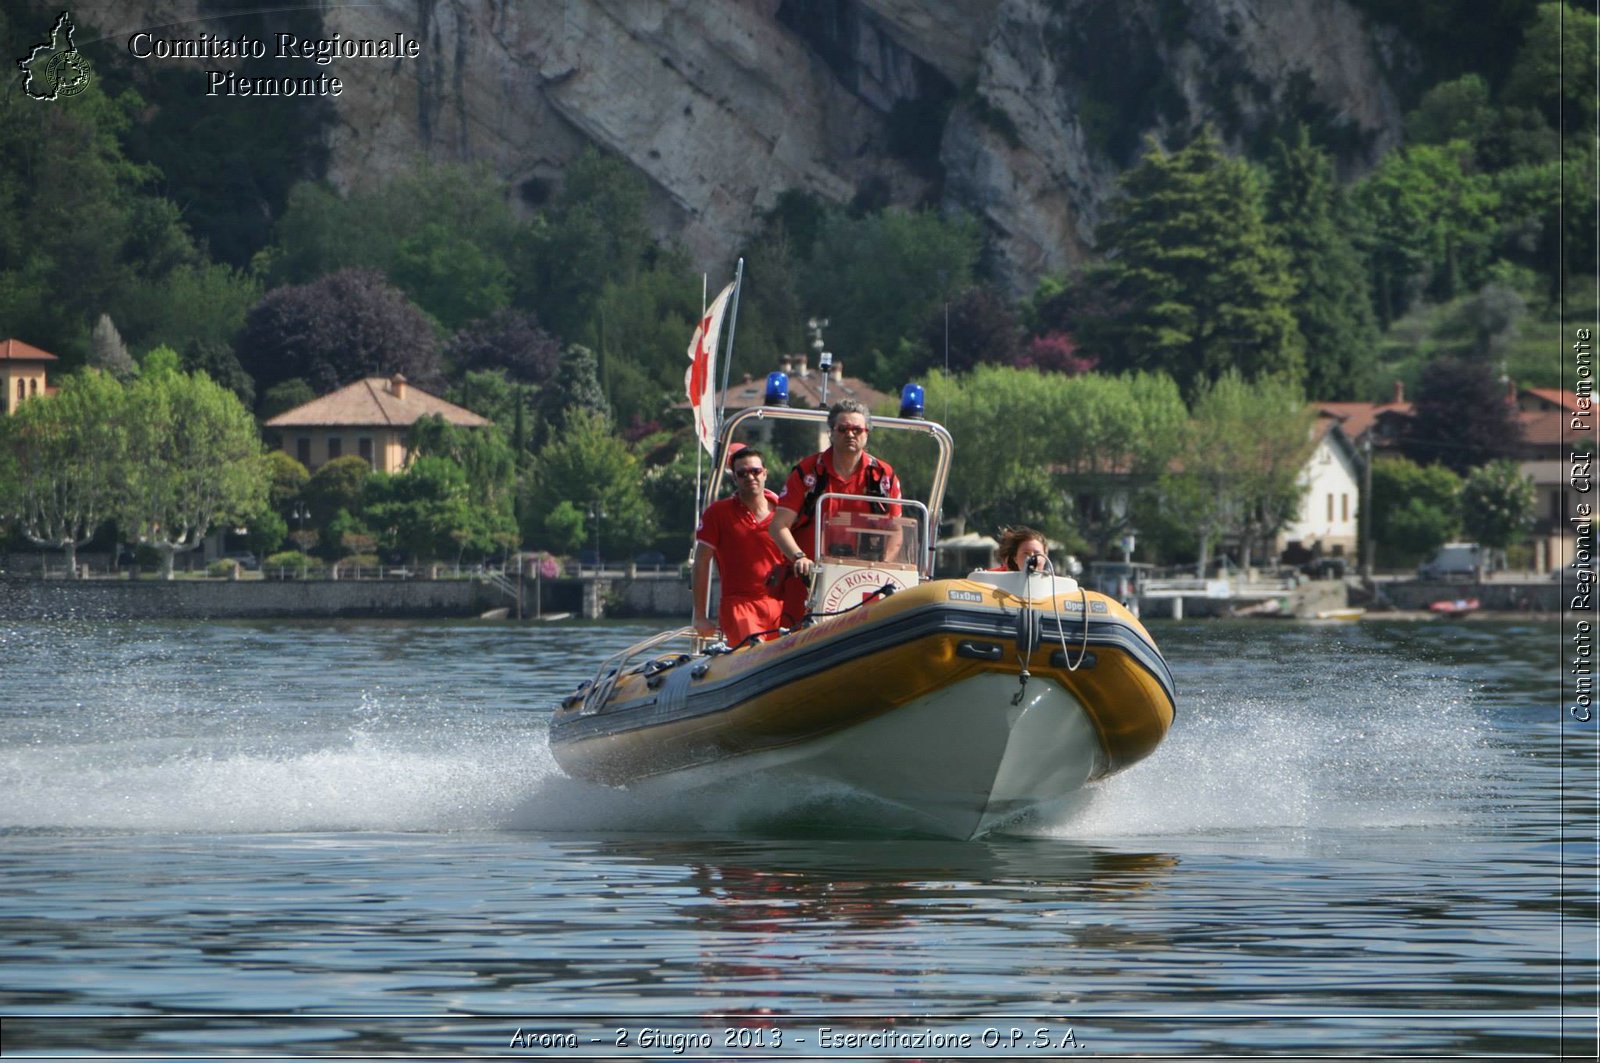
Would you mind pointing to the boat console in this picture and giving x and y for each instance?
(862, 556)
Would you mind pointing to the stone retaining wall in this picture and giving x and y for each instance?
(1544, 596)
(22, 598)
(33, 599)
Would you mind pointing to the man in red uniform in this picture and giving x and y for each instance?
(734, 530)
(844, 468)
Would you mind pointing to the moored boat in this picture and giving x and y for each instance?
(939, 706)
(1454, 606)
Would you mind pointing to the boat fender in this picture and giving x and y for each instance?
(699, 671)
(1027, 641)
(1028, 632)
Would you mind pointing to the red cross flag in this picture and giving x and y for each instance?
(700, 381)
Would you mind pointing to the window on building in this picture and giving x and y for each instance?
(33, 387)
(364, 447)
(1344, 507)
(22, 390)
(1330, 507)
(335, 447)
(302, 450)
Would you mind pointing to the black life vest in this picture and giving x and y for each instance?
(880, 481)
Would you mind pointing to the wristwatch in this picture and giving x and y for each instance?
(797, 555)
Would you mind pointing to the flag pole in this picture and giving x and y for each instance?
(699, 451)
(727, 356)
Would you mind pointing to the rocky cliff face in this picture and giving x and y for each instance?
(1020, 111)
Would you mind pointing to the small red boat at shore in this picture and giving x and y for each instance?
(1454, 606)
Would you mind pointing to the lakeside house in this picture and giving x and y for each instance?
(1327, 524)
(1543, 454)
(24, 371)
(369, 418)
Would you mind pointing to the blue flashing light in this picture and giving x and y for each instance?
(911, 400)
(777, 389)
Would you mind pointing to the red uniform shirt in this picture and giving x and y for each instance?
(745, 552)
(795, 490)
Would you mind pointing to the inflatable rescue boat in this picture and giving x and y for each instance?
(942, 706)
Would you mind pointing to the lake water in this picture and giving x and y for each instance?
(1372, 840)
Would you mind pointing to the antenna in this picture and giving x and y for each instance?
(824, 358)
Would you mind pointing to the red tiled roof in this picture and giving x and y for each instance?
(1541, 428)
(1559, 398)
(1356, 418)
(17, 351)
(371, 402)
(805, 389)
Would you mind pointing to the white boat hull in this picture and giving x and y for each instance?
(957, 763)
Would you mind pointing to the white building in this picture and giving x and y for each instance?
(1329, 516)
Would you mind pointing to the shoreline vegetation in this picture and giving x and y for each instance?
(1324, 270)
(647, 595)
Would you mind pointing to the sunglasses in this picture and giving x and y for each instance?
(851, 429)
(748, 471)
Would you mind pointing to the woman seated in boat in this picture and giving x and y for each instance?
(1018, 545)
(844, 468)
(734, 530)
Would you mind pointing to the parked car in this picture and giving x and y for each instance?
(244, 559)
(1455, 561)
(1325, 568)
(652, 559)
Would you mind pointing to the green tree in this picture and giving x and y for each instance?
(593, 233)
(1452, 110)
(1497, 504)
(63, 462)
(1414, 509)
(1427, 225)
(574, 393)
(455, 263)
(486, 459)
(451, 277)
(1239, 472)
(1111, 439)
(586, 467)
(564, 528)
(878, 278)
(1333, 303)
(285, 396)
(337, 486)
(78, 224)
(1012, 481)
(1203, 286)
(194, 303)
(1081, 445)
(1554, 69)
(641, 327)
(428, 511)
(771, 318)
(194, 459)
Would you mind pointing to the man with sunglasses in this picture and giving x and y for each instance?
(844, 468)
(734, 531)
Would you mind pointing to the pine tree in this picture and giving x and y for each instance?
(108, 352)
(1206, 288)
(576, 387)
(1333, 305)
